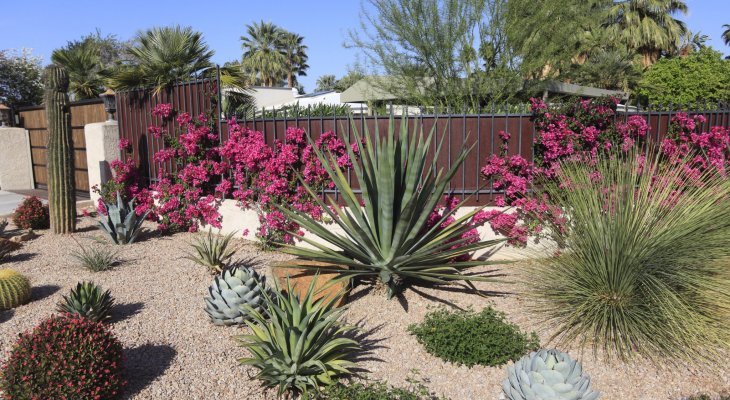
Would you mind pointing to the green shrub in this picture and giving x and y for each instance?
(67, 358)
(645, 270)
(375, 391)
(298, 345)
(470, 338)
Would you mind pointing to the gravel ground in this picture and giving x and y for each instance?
(173, 352)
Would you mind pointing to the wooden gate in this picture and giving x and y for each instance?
(34, 120)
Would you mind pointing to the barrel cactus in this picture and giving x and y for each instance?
(61, 190)
(232, 291)
(14, 289)
(547, 375)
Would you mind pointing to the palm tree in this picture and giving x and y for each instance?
(691, 42)
(726, 34)
(295, 53)
(647, 26)
(325, 82)
(83, 64)
(162, 55)
(262, 52)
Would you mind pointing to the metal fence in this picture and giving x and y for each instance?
(479, 129)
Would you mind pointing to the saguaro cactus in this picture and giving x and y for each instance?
(61, 197)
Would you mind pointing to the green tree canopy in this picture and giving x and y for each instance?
(273, 54)
(435, 52)
(160, 56)
(88, 61)
(348, 80)
(701, 76)
(20, 78)
(325, 82)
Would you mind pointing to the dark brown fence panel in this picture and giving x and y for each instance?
(134, 113)
(34, 120)
(480, 132)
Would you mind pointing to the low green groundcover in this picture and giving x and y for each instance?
(470, 338)
(375, 391)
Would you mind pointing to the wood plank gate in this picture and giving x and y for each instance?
(34, 120)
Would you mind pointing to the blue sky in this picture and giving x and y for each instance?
(46, 25)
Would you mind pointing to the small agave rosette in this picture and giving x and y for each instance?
(547, 375)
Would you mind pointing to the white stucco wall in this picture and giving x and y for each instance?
(16, 168)
(102, 147)
(237, 220)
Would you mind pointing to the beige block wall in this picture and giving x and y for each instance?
(102, 147)
(16, 168)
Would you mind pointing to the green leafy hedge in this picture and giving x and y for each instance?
(470, 338)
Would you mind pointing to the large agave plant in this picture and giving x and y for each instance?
(298, 345)
(233, 293)
(122, 222)
(388, 237)
(547, 375)
(213, 251)
(88, 301)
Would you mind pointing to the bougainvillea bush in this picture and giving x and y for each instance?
(584, 130)
(64, 358)
(265, 176)
(31, 214)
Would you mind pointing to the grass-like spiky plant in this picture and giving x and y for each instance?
(96, 258)
(298, 344)
(645, 267)
(213, 251)
(388, 237)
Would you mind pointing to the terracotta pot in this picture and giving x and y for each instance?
(301, 278)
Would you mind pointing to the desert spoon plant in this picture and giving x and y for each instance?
(388, 237)
(61, 190)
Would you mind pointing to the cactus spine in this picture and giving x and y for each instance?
(61, 196)
(14, 289)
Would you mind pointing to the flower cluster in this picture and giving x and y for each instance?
(64, 357)
(31, 214)
(267, 176)
(187, 197)
(584, 131)
(442, 217)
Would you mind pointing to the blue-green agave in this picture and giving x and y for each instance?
(547, 375)
(122, 223)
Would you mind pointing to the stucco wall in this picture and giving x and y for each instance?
(102, 147)
(16, 169)
(237, 220)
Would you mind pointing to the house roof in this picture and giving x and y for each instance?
(367, 89)
(584, 91)
(315, 94)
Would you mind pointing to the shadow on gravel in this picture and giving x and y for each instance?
(19, 257)
(6, 315)
(144, 364)
(43, 291)
(120, 312)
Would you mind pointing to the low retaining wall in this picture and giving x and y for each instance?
(237, 220)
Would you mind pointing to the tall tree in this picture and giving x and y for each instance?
(348, 80)
(426, 48)
(325, 82)
(262, 52)
(87, 61)
(20, 78)
(551, 35)
(648, 26)
(295, 54)
(726, 34)
(160, 56)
